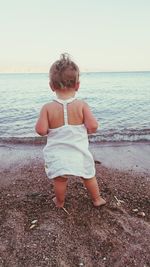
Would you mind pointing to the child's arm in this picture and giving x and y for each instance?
(89, 120)
(41, 126)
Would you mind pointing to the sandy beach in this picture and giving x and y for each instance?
(33, 232)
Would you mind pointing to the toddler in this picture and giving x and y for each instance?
(67, 121)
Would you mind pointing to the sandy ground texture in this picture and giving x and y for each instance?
(33, 232)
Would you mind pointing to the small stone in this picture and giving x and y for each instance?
(32, 226)
(46, 258)
(141, 213)
(97, 162)
(135, 210)
(104, 258)
(34, 221)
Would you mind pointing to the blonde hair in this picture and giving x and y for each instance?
(64, 73)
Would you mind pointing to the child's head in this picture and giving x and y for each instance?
(64, 73)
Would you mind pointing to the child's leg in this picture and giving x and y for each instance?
(92, 187)
(60, 185)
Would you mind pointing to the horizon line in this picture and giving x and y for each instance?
(113, 71)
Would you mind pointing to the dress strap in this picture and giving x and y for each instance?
(65, 114)
(65, 103)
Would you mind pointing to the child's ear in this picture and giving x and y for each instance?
(77, 86)
(51, 86)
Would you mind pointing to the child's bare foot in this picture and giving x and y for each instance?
(60, 205)
(99, 202)
(57, 203)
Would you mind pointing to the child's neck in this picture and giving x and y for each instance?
(65, 94)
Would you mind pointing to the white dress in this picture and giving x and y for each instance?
(67, 149)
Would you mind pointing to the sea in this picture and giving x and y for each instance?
(119, 100)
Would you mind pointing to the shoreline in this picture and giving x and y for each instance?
(128, 156)
(38, 140)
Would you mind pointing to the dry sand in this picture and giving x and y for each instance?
(33, 232)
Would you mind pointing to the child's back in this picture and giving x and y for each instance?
(55, 113)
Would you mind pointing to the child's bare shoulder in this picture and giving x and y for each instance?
(80, 102)
(49, 105)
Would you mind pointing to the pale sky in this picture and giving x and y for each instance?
(101, 35)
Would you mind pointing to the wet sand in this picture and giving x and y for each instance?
(122, 155)
(33, 232)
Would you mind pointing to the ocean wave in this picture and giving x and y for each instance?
(113, 135)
